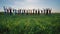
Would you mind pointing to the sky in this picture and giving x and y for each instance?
(31, 4)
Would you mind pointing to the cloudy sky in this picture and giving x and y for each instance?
(54, 4)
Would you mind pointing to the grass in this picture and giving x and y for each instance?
(30, 24)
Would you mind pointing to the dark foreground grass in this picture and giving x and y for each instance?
(30, 24)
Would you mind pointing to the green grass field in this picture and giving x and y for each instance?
(30, 24)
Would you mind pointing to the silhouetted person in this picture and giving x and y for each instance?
(10, 11)
(49, 11)
(36, 11)
(27, 12)
(46, 11)
(41, 11)
(14, 11)
(24, 11)
(19, 11)
(5, 9)
(33, 11)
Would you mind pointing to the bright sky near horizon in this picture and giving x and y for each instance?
(54, 4)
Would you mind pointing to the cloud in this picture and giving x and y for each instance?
(33, 0)
(25, 4)
(19, 3)
(29, 0)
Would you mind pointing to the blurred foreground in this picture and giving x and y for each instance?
(29, 24)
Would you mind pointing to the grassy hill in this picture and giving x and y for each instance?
(30, 24)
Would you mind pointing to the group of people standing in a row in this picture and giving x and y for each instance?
(27, 11)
